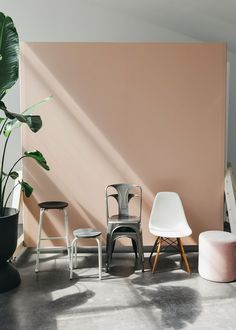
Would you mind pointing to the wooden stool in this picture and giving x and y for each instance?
(52, 205)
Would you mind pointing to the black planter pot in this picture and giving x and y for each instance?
(9, 276)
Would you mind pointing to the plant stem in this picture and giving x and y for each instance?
(5, 184)
(10, 194)
(1, 174)
(3, 125)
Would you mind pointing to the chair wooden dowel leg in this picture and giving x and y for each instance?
(153, 248)
(157, 255)
(183, 254)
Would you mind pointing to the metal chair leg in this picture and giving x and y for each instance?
(111, 243)
(142, 254)
(107, 245)
(39, 240)
(134, 248)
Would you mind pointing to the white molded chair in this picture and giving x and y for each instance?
(168, 222)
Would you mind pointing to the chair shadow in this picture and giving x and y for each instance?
(179, 305)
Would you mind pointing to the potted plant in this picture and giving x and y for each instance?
(9, 67)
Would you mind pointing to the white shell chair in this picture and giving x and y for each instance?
(168, 221)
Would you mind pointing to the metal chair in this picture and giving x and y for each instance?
(85, 233)
(122, 224)
(168, 222)
(46, 206)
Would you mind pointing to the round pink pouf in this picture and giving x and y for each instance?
(217, 256)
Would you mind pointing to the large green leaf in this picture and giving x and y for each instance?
(34, 122)
(26, 188)
(9, 54)
(13, 174)
(38, 157)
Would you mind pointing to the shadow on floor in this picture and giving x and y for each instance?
(179, 305)
(41, 297)
(125, 295)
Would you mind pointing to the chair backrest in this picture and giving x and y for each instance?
(124, 192)
(167, 211)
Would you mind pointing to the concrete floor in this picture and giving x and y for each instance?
(124, 299)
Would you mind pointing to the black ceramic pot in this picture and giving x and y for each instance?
(9, 276)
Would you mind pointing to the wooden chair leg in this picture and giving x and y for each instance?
(183, 254)
(154, 248)
(157, 255)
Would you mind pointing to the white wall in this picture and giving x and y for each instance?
(78, 20)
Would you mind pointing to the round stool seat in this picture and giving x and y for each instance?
(53, 205)
(217, 256)
(86, 233)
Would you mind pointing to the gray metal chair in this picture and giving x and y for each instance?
(122, 224)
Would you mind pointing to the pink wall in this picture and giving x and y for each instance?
(150, 114)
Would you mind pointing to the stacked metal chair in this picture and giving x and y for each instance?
(122, 224)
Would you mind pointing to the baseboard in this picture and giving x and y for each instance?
(120, 249)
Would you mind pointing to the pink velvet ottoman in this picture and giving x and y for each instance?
(217, 256)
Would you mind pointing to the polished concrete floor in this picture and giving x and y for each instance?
(124, 299)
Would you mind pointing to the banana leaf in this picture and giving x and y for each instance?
(26, 188)
(9, 53)
(34, 122)
(37, 155)
(13, 174)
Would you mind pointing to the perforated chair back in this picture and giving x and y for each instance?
(124, 193)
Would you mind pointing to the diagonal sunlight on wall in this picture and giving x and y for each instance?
(171, 95)
(115, 166)
(65, 98)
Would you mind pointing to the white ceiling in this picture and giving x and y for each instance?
(205, 20)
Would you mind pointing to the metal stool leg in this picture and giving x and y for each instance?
(98, 239)
(67, 233)
(76, 251)
(39, 239)
(73, 250)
